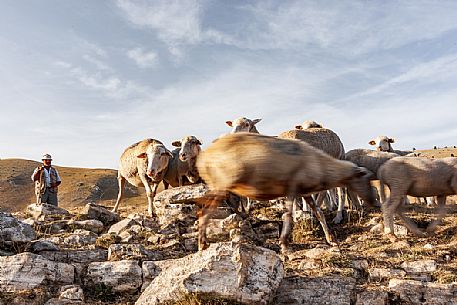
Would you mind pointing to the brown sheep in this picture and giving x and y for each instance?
(143, 164)
(264, 168)
(418, 177)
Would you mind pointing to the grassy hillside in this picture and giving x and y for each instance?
(79, 186)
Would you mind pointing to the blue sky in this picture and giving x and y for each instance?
(82, 80)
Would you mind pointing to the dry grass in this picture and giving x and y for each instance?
(201, 299)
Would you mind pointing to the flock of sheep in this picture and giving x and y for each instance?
(308, 161)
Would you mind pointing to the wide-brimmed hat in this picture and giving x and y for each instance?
(46, 157)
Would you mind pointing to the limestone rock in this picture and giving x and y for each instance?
(27, 271)
(94, 211)
(44, 245)
(421, 266)
(380, 274)
(77, 239)
(418, 292)
(117, 252)
(372, 298)
(241, 272)
(178, 204)
(122, 225)
(184, 194)
(335, 290)
(15, 231)
(56, 301)
(72, 292)
(46, 211)
(77, 258)
(121, 276)
(151, 269)
(92, 225)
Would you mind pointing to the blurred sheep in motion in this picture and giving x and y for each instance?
(419, 177)
(264, 168)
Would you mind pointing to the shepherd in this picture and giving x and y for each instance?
(47, 180)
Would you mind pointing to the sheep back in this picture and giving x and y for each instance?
(370, 159)
(320, 138)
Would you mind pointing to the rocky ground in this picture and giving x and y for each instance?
(91, 256)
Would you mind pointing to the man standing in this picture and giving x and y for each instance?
(47, 180)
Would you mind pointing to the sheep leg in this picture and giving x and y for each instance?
(248, 205)
(165, 185)
(208, 204)
(180, 180)
(440, 211)
(410, 225)
(339, 214)
(121, 182)
(150, 193)
(329, 237)
(287, 225)
(389, 210)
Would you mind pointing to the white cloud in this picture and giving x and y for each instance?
(438, 70)
(176, 21)
(97, 63)
(142, 58)
(352, 27)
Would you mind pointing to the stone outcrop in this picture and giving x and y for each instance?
(178, 204)
(335, 290)
(94, 211)
(121, 276)
(46, 212)
(240, 272)
(15, 231)
(418, 292)
(27, 271)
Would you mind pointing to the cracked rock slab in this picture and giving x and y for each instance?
(240, 272)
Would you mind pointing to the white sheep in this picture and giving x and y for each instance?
(182, 165)
(383, 143)
(243, 125)
(418, 177)
(264, 168)
(143, 164)
(326, 140)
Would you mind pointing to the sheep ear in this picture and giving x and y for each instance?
(199, 142)
(372, 142)
(176, 143)
(229, 123)
(391, 140)
(299, 127)
(256, 121)
(142, 156)
(169, 154)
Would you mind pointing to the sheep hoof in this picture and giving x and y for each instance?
(285, 250)
(202, 245)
